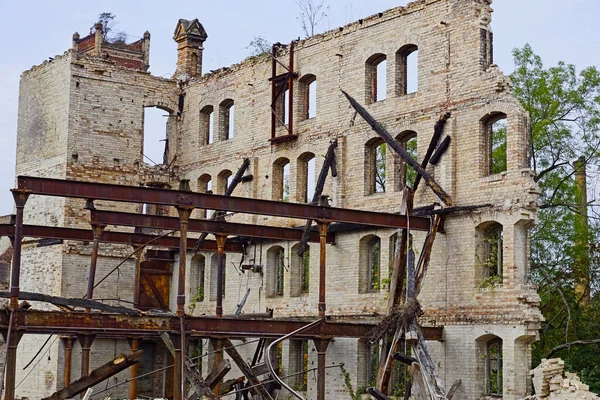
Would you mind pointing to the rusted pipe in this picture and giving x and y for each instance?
(20, 197)
(133, 370)
(221, 239)
(86, 345)
(97, 232)
(178, 378)
(321, 345)
(184, 217)
(136, 277)
(11, 363)
(322, 266)
(218, 358)
(68, 358)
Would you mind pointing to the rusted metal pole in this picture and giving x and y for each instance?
(20, 197)
(68, 358)
(184, 217)
(133, 370)
(221, 239)
(321, 345)
(97, 232)
(136, 278)
(291, 91)
(86, 345)
(178, 378)
(322, 266)
(273, 89)
(11, 364)
(218, 359)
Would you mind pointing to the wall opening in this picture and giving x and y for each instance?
(227, 112)
(490, 253)
(308, 94)
(305, 176)
(376, 78)
(375, 166)
(281, 180)
(207, 123)
(368, 360)
(407, 70)
(223, 180)
(298, 362)
(370, 264)
(154, 140)
(197, 279)
(275, 271)
(214, 271)
(299, 272)
(405, 174)
(493, 367)
(494, 140)
(204, 185)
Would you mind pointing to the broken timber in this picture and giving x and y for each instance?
(437, 134)
(96, 376)
(246, 370)
(437, 189)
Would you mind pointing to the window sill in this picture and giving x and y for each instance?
(495, 178)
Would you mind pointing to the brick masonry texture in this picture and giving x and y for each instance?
(81, 117)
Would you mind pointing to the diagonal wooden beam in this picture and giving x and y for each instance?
(246, 370)
(380, 130)
(437, 134)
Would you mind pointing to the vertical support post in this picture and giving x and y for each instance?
(273, 89)
(133, 370)
(184, 217)
(178, 376)
(68, 357)
(321, 345)
(97, 232)
(136, 279)
(322, 266)
(86, 345)
(20, 197)
(218, 346)
(221, 239)
(11, 364)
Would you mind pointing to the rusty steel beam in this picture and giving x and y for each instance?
(203, 225)
(113, 325)
(143, 195)
(84, 235)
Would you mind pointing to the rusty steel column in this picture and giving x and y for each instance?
(321, 345)
(68, 356)
(178, 377)
(97, 232)
(133, 370)
(11, 364)
(136, 278)
(20, 197)
(291, 91)
(221, 239)
(218, 346)
(322, 266)
(86, 344)
(184, 217)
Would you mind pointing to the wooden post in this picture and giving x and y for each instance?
(133, 371)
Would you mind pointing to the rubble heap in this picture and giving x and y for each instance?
(550, 383)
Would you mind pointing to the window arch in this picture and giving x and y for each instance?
(305, 177)
(207, 125)
(197, 290)
(275, 271)
(375, 166)
(223, 181)
(407, 70)
(299, 271)
(490, 351)
(204, 185)
(370, 264)
(214, 272)
(281, 179)
(226, 119)
(376, 78)
(494, 127)
(405, 174)
(308, 96)
(490, 253)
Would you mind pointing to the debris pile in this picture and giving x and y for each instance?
(550, 383)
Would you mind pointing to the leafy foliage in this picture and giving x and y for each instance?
(564, 107)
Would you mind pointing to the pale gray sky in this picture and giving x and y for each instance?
(35, 30)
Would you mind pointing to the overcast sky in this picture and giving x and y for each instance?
(35, 30)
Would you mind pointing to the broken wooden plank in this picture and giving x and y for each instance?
(430, 210)
(437, 134)
(96, 376)
(246, 370)
(437, 156)
(72, 302)
(239, 177)
(375, 393)
(380, 130)
(423, 264)
(453, 389)
(218, 372)
(327, 164)
(191, 372)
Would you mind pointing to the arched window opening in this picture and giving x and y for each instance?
(298, 362)
(227, 112)
(155, 128)
(370, 264)
(197, 279)
(207, 123)
(375, 166)
(495, 143)
(406, 175)
(376, 78)
(487, 48)
(407, 70)
(308, 93)
(286, 107)
(281, 180)
(275, 271)
(490, 253)
(368, 357)
(493, 367)
(204, 186)
(299, 272)
(214, 273)
(223, 180)
(305, 177)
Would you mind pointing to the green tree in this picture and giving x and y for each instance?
(108, 23)
(564, 107)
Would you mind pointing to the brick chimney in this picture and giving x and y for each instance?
(190, 37)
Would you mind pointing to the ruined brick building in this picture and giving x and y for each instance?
(81, 118)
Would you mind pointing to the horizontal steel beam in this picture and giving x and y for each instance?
(40, 322)
(83, 235)
(144, 195)
(203, 225)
